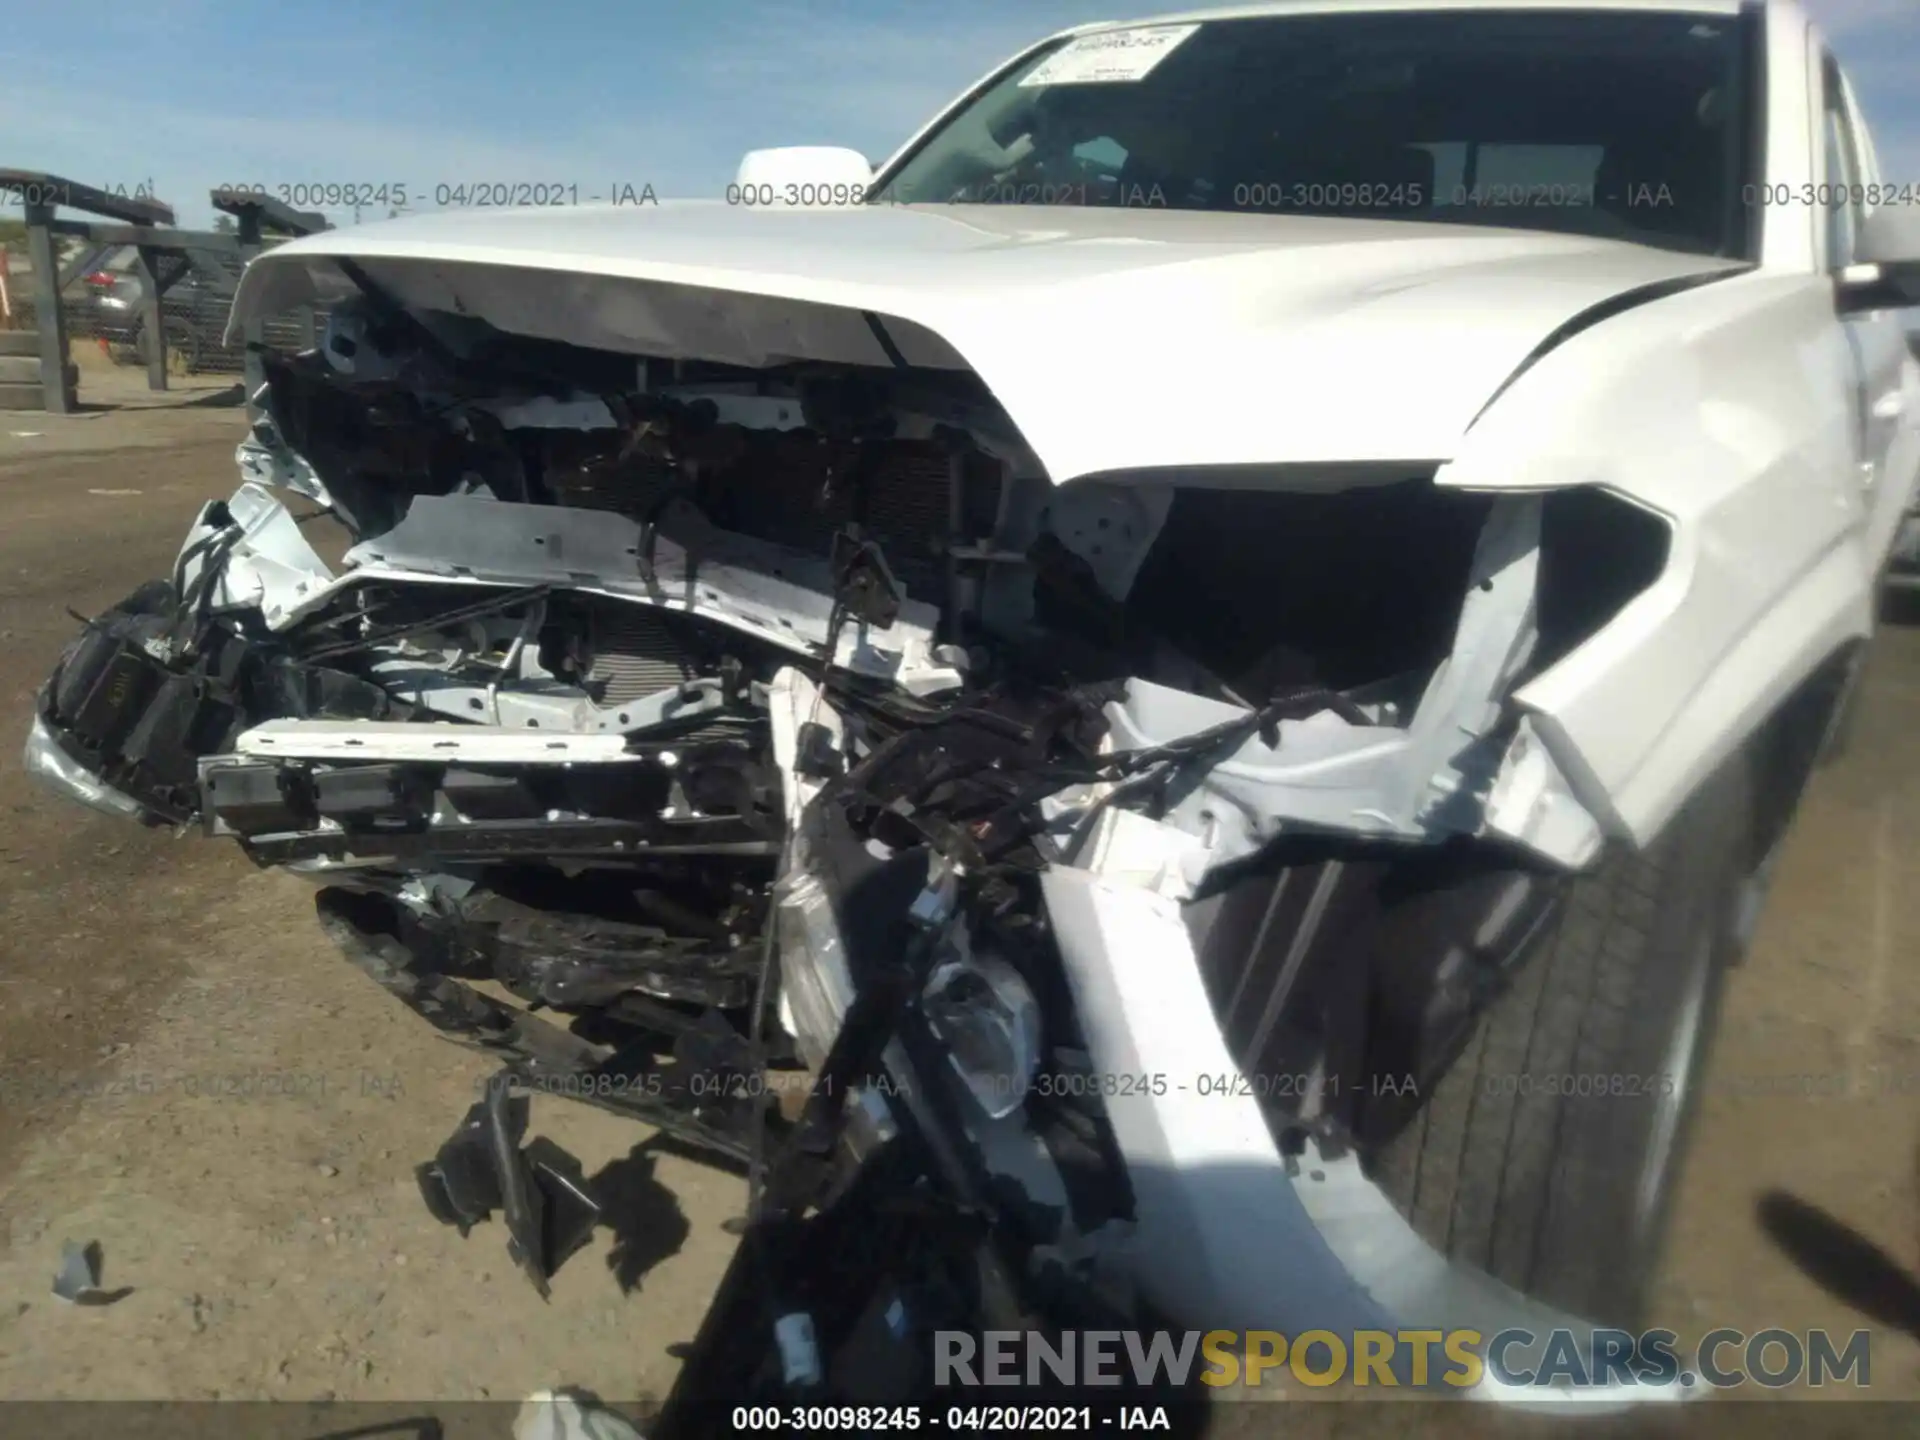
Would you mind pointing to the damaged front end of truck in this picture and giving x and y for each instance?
(775, 754)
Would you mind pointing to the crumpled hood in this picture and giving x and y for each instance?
(1115, 338)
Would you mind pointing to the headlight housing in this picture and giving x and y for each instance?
(53, 767)
(815, 988)
(985, 1014)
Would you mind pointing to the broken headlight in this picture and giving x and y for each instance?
(48, 763)
(987, 1018)
(815, 988)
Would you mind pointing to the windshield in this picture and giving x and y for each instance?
(1630, 125)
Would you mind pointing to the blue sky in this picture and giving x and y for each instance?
(188, 94)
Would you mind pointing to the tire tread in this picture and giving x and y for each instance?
(1525, 1183)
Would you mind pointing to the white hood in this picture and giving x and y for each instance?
(1115, 338)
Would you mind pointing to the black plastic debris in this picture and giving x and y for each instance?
(78, 1281)
(549, 1207)
(817, 755)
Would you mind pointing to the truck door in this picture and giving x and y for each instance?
(1887, 418)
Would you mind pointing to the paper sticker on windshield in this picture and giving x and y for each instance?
(1110, 56)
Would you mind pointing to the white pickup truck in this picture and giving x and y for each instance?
(1224, 641)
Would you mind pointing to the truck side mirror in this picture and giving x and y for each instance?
(1886, 269)
(801, 175)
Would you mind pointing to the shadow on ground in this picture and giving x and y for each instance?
(645, 1217)
(1842, 1261)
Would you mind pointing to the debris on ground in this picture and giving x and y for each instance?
(565, 1415)
(79, 1279)
(549, 1208)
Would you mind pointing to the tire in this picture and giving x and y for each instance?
(1515, 1164)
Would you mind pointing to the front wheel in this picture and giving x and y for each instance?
(1548, 1154)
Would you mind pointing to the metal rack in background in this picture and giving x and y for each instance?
(164, 254)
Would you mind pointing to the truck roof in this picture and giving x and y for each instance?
(1311, 7)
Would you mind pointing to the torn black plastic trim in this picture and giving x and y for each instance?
(549, 1207)
(699, 1103)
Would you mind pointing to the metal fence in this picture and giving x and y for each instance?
(101, 307)
(139, 285)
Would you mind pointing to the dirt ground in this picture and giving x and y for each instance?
(192, 1077)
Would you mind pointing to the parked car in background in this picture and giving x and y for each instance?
(111, 306)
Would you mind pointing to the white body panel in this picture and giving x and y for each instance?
(1740, 438)
(396, 740)
(1292, 339)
